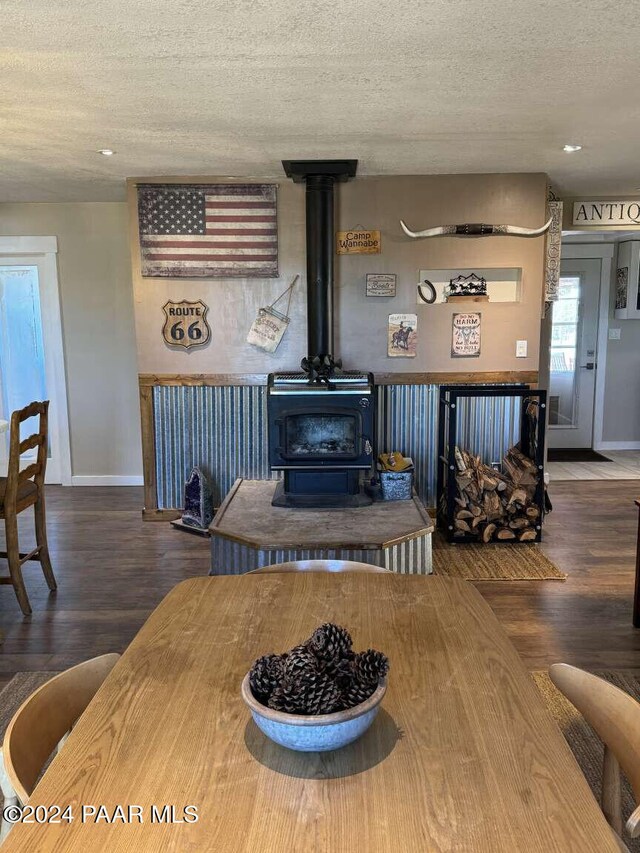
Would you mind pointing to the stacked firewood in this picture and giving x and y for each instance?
(492, 504)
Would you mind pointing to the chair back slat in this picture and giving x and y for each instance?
(28, 472)
(46, 716)
(31, 442)
(614, 715)
(35, 470)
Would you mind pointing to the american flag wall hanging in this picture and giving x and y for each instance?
(208, 230)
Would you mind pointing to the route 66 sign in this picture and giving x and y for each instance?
(186, 324)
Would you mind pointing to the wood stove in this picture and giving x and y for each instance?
(321, 421)
(321, 437)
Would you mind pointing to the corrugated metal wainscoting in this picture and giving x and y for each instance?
(223, 429)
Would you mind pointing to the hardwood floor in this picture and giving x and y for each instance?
(113, 569)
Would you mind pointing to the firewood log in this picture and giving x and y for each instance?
(532, 512)
(464, 513)
(527, 535)
(462, 525)
(505, 533)
(488, 532)
(459, 459)
(475, 509)
(519, 523)
(463, 481)
(518, 496)
(523, 460)
(479, 519)
(490, 483)
(492, 506)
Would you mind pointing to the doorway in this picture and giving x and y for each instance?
(31, 353)
(573, 354)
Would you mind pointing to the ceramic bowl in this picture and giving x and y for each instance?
(314, 733)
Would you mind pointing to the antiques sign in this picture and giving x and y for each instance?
(466, 336)
(381, 284)
(402, 335)
(208, 230)
(606, 213)
(358, 242)
(186, 324)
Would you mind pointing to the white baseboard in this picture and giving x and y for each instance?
(618, 445)
(106, 480)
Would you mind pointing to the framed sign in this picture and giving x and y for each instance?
(358, 242)
(381, 284)
(622, 287)
(402, 335)
(185, 324)
(465, 341)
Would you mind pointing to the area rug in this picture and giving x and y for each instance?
(574, 454)
(504, 562)
(584, 743)
(13, 695)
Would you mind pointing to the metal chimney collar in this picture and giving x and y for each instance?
(339, 170)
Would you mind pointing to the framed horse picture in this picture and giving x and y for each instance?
(402, 335)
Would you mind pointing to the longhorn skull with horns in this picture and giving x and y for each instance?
(475, 229)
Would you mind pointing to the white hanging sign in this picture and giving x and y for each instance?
(606, 213)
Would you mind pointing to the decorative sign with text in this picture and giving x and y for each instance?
(358, 242)
(606, 213)
(381, 284)
(186, 324)
(465, 341)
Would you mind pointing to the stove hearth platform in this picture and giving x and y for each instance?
(248, 533)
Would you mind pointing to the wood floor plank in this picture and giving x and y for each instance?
(113, 569)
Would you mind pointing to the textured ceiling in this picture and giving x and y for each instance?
(232, 88)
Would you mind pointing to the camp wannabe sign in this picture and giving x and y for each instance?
(606, 213)
(358, 242)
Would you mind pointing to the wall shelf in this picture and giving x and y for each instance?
(503, 284)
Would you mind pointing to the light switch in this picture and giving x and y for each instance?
(521, 349)
(614, 334)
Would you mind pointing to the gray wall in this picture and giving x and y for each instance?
(98, 329)
(361, 322)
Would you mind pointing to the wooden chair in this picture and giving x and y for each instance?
(318, 566)
(19, 490)
(43, 720)
(615, 716)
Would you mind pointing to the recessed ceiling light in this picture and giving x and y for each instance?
(571, 148)
(106, 152)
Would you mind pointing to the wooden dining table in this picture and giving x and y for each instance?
(463, 755)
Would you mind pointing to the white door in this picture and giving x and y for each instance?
(31, 355)
(574, 341)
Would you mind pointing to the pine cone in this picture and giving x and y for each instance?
(356, 692)
(315, 693)
(341, 670)
(370, 667)
(299, 660)
(330, 642)
(265, 675)
(276, 700)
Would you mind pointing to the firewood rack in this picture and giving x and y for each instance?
(531, 442)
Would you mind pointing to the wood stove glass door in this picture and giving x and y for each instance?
(328, 434)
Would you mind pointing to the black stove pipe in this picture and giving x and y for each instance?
(319, 207)
(320, 177)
